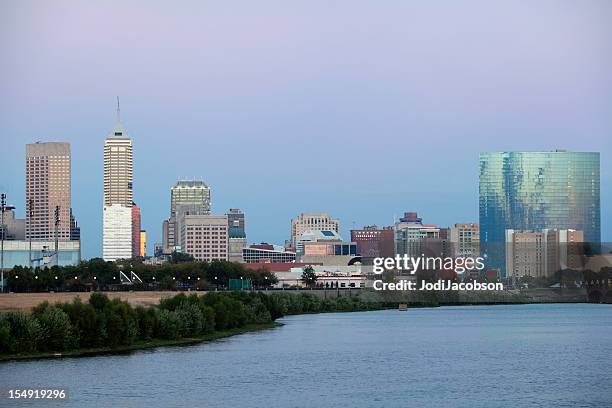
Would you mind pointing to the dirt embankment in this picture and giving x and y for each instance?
(26, 301)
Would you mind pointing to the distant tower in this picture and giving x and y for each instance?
(118, 179)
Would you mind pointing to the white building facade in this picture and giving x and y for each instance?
(117, 233)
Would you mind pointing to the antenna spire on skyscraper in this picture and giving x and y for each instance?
(118, 111)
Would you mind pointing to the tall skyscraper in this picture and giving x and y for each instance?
(535, 191)
(118, 166)
(48, 188)
(118, 180)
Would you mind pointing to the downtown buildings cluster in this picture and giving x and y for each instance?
(533, 208)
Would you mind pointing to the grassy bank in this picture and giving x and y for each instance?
(102, 325)
(141, 345)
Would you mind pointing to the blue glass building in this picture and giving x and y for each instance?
(534, 191)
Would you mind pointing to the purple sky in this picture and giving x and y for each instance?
(364, 109)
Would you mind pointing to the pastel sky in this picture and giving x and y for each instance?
(363, 109)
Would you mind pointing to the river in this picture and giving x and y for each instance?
(472, 356)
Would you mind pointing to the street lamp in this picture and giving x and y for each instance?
(3, 208)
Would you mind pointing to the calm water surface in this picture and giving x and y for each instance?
(474, 356)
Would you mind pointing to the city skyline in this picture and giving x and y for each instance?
(399, 115)
(527, 227)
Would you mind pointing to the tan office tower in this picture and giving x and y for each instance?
(117, 223)
(118, 166)
(48, 187)
(312, 222)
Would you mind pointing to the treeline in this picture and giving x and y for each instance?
(102, 323)
(97, 274)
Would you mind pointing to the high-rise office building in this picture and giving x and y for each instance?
(528, 191)
(190, 192)
(48, 188)
(203, 236)
(118, 183)
(312, 222)
(192, 195)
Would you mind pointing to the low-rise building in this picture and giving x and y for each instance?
(13, 228)
(17, 253)
(411, 233)
(373, 242)
(267, 253)
(328, 277)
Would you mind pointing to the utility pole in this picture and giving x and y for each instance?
(31, 214)
(57, 221)
(3, 207)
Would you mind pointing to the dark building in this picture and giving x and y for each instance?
(373, 242)
(236, 224)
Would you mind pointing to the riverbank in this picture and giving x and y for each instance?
(143, 345)
(105, 326)
(27, 301)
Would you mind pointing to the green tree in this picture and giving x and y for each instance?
(57, 330)
(179, 257)
(309, 277)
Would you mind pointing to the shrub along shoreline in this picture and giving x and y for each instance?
(102, 326)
